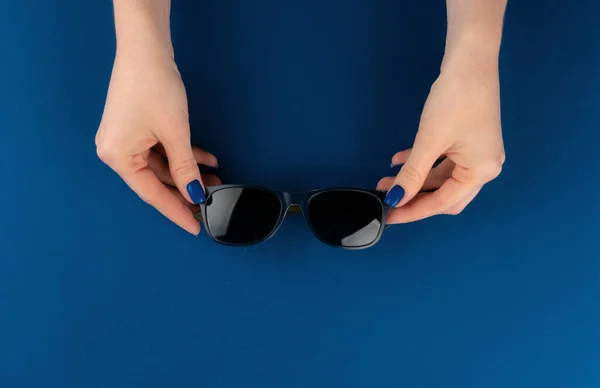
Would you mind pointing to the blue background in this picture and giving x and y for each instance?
(98, 290)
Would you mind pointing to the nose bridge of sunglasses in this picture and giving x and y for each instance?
(293, 201)
(294, 209)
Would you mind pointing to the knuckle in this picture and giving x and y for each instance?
(411, 174)
(185, 168)
(135, 162)
(105, 149)
(100, 133)
(490, 170)
(455, 211)
(106, 154)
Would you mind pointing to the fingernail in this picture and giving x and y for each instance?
(196, 192)
(392, 165)
(394, 196)
(216, 166)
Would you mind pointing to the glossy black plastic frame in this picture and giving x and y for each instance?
(294, 203)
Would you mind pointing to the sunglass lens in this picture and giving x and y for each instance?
(346, 218)
(242, 216)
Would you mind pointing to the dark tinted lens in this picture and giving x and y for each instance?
(242, 215)
(346, 218)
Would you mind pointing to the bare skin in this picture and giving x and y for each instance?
(145, 120)
(460, 120)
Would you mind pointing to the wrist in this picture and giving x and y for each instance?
(143, 28)
(473, 51)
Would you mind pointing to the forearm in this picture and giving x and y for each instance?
(143, 26)
(474, 33)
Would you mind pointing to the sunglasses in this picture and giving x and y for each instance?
(340, 217)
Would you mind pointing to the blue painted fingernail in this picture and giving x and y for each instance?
(394, 196)
(196, 192)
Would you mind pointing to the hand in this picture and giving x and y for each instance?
(145, 120)
(461, 122)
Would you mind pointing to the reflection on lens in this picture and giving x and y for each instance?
(346, 218)
(242, 215)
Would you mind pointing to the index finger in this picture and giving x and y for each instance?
(426, 205)
(152, 191)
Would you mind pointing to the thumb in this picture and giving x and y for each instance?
(184, 170)
(412, 175)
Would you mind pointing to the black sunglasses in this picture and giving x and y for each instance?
(341, 217)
